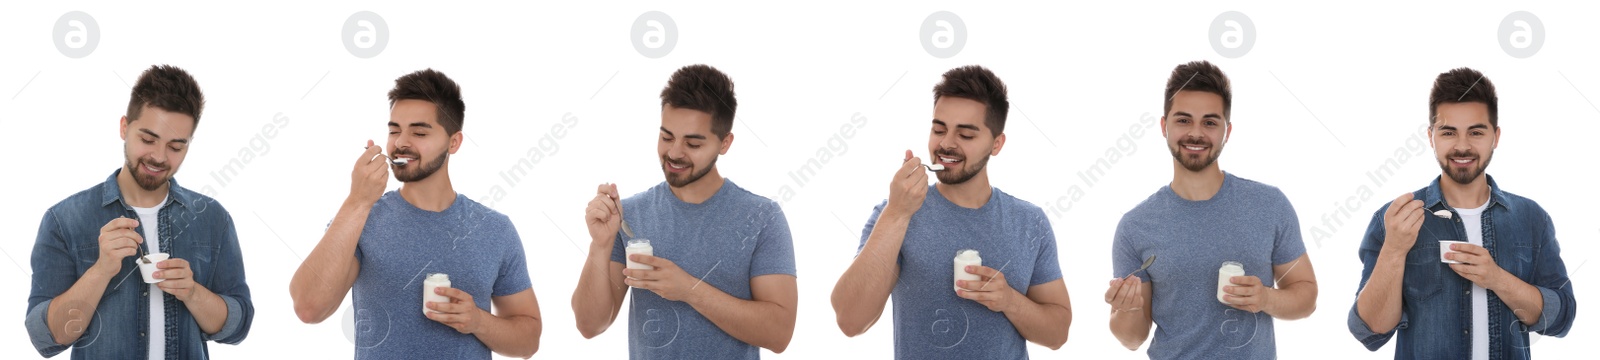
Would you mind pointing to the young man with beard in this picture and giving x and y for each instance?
(381, 246)
(88, 293)
(908, 245)
(1202, 219)
(1479, 300)
(721, 280)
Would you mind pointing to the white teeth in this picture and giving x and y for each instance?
(1462, 161)
(1195, 148)
(676, 166)
(949, 160)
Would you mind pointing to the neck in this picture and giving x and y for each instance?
(1465, 196)
(137, 196)
(1196, 185)
(972, 194)
(700, 190)
(433, 193)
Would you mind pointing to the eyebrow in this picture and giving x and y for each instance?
(1452, 128)
(688, 136)
(1207, 116)
(158, 137)
(415, 124)
(961, 126)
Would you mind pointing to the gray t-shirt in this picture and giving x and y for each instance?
(730, 238)
(1247, 222)
(400, 245)
(930, 321)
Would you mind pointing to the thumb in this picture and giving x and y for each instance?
(908, 156)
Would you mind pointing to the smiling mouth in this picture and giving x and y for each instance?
(949, 161)
(674, 167)
(152, 169)
(1191, 147)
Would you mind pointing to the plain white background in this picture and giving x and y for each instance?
(1328, 93)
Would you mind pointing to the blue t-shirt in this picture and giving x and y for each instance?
(400, 245)
(1247, 222)
(730, 238)
(930, 321)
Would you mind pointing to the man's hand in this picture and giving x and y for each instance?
(1126, 294)
(1247, 293)
(370, 176)
(1477, 266)
(460, 313)
(667, 280)
(990, 289)
(117, 241)
(908, 188)
(176, 278)
(604, 214)
(1401, 222)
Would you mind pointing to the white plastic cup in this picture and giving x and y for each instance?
(1444, 248)
(434, 281)
(1225, 276)
(963, 258)
(149, 270)
(639, 246)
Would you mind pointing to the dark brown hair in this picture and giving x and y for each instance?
(1199, 76)
(703, 88)
(169, 88)
(1463, 85)
(432, 86)
(976, 83)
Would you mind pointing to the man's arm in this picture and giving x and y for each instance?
(863, 290)
(1296, 294)
(766, 320)
(1045, 315)
(1130, 310)
(601, 278)
(68, 314)
(514, 329)
(1379, 302)
(323, 279)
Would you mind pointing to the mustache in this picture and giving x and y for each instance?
(1194, 141)
(668, 160)
(948, 154)
(147, 161)
(1461, 153)
(406, 151)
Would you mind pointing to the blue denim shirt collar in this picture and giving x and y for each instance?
(110, 192)
(1433, 196)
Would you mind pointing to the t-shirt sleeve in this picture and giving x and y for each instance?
(513, 277)
(1124, 257)
(774, 252)
(1287, 245)
(1047, 267)
(866, 231)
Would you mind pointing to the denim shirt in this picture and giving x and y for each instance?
(198, 230)
(1436, 305)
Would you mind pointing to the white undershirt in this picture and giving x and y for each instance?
(1472, 220)
(152, 237)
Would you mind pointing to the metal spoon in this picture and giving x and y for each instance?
(394, 161)
(934, 167)
(627, 230)
(1146, 265)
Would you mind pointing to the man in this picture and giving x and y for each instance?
(1203, 218)
(381, 246)
(1507, 280)
(88, 292)
(721, 281)
(909, 243)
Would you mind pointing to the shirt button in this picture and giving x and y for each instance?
(141, 334)
(1464, 332)
(1466, 292)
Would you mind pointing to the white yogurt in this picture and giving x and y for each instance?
(965, 257)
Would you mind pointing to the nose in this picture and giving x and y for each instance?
(676, 151)
(948, 142)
